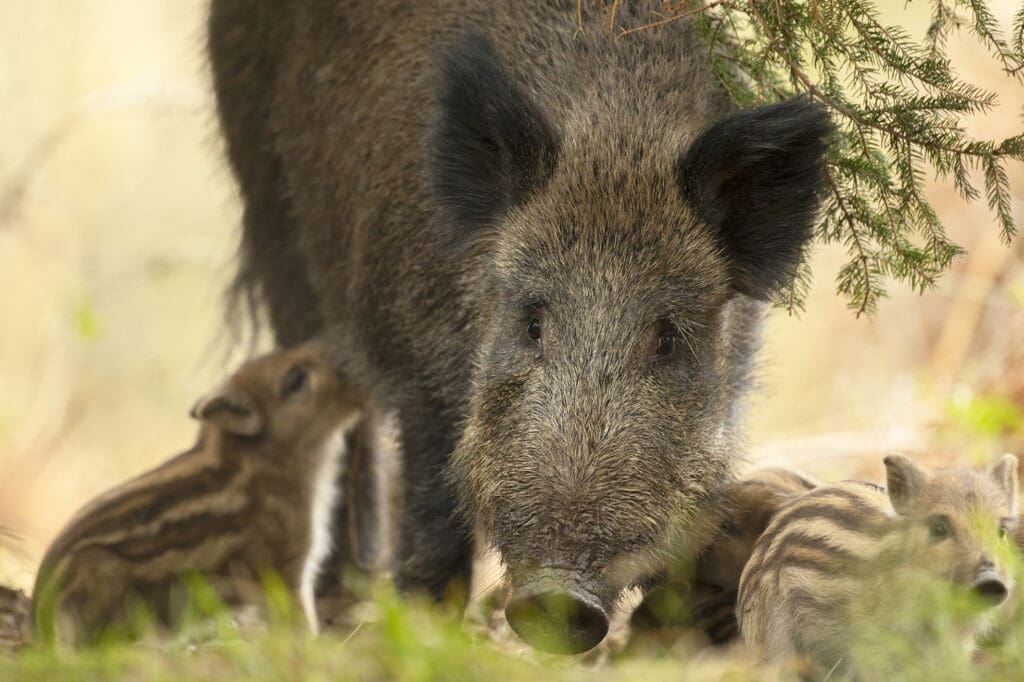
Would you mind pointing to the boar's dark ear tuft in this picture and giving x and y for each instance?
(756, 178)
(230, 410)
(490, 145)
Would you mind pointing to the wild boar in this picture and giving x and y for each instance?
(547, 251)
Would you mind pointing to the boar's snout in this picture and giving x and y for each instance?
(990, 585)
(558, 616)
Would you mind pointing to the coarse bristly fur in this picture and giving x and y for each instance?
(846, 571)
(254, 496)
(548, 252)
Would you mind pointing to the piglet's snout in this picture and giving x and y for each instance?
(989, 584)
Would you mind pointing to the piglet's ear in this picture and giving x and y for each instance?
(1004, 471)
(490, 145)
(904, 480)
(230, 410)
(756, 178)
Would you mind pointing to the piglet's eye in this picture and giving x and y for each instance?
(1005, 526)
(939, 528)
(294, 381)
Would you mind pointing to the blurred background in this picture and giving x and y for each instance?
(118, 226)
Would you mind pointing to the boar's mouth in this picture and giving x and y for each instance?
(558, 613)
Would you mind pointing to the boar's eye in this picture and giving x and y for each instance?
(666, 343)
(939, 527)
(531, 314)
(667, 337)
(533, 329)
(294, 381)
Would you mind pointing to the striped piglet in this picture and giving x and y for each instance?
(255, 495)
(848, 561)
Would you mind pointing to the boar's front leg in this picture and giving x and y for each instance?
(433, 544)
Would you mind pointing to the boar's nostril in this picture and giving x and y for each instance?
(991, 587)
(557, 621)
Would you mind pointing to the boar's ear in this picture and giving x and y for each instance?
(904, 481)
(231, 410)
(490, 145)
(1005, 473)
(755, 178)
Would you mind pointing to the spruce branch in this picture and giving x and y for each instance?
(1018, 31)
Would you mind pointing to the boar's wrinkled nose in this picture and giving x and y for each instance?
(988, 584)
(558, 619)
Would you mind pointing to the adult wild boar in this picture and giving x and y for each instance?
(547, 252)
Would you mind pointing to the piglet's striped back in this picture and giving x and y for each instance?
(832, 561)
